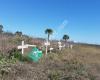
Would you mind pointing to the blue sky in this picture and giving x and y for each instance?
(80, 19)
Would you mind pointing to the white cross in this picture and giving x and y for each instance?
(51, 49)
(47, 44)
(25, 46)
(71, 46)
(60, 46)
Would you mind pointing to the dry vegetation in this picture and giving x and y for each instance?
(80, 63)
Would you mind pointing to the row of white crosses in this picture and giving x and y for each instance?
(59, 45)
(47, 43)
(23, 46)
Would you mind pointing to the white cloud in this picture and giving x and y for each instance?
(58, 31)
(64, 24)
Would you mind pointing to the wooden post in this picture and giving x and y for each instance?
(47, 44)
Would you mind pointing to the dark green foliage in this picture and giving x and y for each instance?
(26, 59)
(65, 37)
(49, 32)
(18, 55)
(15, 53)
(18, 33)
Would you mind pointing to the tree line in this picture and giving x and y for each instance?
(19, 33)
(47, 31)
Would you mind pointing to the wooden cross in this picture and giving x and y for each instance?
(51, 49)
(23, 46)
(59, 45)
(47, 44)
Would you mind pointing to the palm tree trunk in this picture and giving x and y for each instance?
(48, 37)
(65, 43)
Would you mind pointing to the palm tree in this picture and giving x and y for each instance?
(65, 37)
(18, 33)
(49, 32)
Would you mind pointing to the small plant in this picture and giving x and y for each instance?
(54, 75)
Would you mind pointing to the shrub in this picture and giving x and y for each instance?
(14, 53)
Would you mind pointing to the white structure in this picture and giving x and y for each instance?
(46, 45)
(59, 45)
(25, 46)
(71, 46)
(51, 49)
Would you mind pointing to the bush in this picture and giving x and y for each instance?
(14, 53)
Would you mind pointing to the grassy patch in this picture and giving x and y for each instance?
(65, 65)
